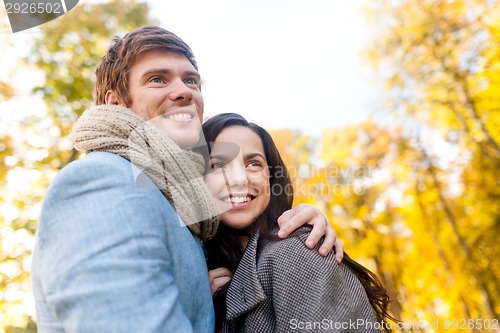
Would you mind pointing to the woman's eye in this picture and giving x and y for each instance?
(217, 165)
(254, 164)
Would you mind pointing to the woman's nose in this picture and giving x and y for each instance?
(237, 176)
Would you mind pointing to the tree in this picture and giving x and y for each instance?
(441, 65)
(33, 147)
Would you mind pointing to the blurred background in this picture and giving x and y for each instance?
(386, 112)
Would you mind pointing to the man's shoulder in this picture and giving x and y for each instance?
(98, 171)
(97, 161)
(104, 186)
(100, 165)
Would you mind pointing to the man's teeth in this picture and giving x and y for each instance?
(235, 200)
(180, 116)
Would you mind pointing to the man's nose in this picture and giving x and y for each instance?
(180, 91)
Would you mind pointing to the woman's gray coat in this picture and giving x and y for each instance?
(282, 286)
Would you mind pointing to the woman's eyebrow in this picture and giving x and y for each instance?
(220, 157)
(252, 155)
(229, 157)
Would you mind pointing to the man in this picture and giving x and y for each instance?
(113, 253)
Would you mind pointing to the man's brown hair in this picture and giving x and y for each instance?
(114, 69)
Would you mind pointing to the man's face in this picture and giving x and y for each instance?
(165, 90)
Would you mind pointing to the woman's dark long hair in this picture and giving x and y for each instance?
(225, 250)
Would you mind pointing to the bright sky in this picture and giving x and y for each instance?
(280, 63)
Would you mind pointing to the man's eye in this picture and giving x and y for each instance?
(192, 81)
(156, 80)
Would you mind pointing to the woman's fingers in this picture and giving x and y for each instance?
(218, 278)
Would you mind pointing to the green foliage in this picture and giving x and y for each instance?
(70, 48)
(29, 328)
(33, 146)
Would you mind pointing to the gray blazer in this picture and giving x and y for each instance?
(282, 286)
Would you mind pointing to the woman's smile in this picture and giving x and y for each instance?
(239, 178)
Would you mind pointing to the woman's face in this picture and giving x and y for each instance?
(239, 176)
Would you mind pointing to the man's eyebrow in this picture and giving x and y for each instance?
(192, 73)
(152, 71)
(155, 71)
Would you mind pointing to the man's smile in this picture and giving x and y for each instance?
(182, 114)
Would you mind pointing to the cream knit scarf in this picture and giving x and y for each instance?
(176, 172)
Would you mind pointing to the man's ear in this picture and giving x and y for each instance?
(111, 98)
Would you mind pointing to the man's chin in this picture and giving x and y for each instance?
(186, 140)
(185, 137)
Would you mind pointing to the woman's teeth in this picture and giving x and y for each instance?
(236, 200)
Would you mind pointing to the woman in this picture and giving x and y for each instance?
(277, 285)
